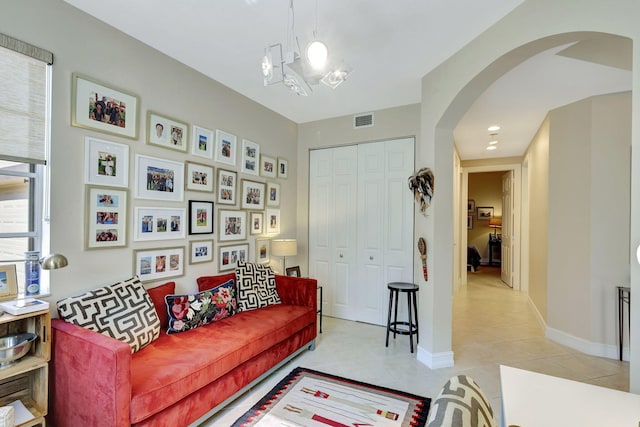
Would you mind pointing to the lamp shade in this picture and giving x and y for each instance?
(495, 222)
(284, 247)
(53, 262)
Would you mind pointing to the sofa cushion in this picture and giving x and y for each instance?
(157, 295)
(176, 365)
(187, 312)
(210, 282)
(256, 286)
(123, 311)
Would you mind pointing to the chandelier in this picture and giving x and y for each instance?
(299, 73)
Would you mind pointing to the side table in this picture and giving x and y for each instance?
(624, 296)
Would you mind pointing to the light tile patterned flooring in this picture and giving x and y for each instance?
(492, 325)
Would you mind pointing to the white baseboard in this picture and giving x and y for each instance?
(592, 348)
(435, 360)
(539, 317)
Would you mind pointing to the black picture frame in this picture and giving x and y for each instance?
(293, 271)
(201, 220)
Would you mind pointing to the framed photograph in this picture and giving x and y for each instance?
(293, 271)
(257, 219)
(199, 177)
(250, 157)
(273, 221)
(225, 148)
(167, 132)
(105, 217)
(268, 166)
(229, 255)
(252, 195)
(154, 264)
(232, 225)
(469, 222)
(484, 213)
(201, 251)
(159, 223)
(283, 168)
(8, 282)
(273, 194)
(200, 217)
(106, 163)
(159, 179)
(227, 187)
(202, 142)
(471, 206)
(97, 106)
(262, 251)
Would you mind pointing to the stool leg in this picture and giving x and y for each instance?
(415, 313)
(395, 314)
(410, 322)
(389, 316)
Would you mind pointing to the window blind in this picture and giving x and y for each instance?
(23, 101)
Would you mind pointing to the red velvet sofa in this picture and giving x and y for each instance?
(178, 378)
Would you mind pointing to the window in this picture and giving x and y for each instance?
(25, 77)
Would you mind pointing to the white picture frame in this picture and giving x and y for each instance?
(229, 256)
(283, 168)
(155, 264)
(159, 223)
(233, 225)
(225, 147)
(202, 142)
(263, 252)
(200, 251)
(227, 186)
(268, 166)
(272, 220)
(106, 163)
(256, 225)
(153, 176)
(250, 157)
(167, 132)
(105, 217)
(273, 194)
(199, 177)
(253, 195)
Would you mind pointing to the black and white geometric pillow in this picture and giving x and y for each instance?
(461, 403)
(123, 311)
(256, 286)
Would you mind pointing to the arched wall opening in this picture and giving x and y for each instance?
(449, 90)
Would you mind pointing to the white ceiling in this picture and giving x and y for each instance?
(389, 44)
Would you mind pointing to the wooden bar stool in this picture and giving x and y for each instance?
(396, 327)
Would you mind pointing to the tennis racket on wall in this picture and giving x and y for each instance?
(422, 247)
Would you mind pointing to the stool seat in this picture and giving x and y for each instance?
(409, 327)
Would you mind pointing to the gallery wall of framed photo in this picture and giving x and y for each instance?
(191, 195)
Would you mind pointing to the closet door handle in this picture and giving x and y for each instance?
(341, 256)
(370, 258)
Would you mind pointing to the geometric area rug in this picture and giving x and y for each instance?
(310, 398)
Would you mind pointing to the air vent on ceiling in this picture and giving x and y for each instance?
(363, 121)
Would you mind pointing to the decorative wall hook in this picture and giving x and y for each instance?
(422, 185)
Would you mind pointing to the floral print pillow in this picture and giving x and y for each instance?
(190, 311)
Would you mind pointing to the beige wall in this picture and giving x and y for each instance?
(485, 189)
(82, 44)
(589, 218)
(389, 124)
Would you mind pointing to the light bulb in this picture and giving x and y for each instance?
(317, 53)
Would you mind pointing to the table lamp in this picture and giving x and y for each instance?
(284, 248)
(495, 223)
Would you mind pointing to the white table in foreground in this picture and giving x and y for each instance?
(530, 399)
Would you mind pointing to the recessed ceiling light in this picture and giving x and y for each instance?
(491, 147)
(493, 128)
(494, 142)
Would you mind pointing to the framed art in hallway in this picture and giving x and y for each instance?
(268, 166)
(273, 221)
(252, 195)
(283, 168)
(230, 255)
(200, 217)
(154, 264)
(201, 251)
(250, 157)
(257, 219)
(484, 213)
(273, 194)
(471, 206)
(159, 223)
(233, 225)
(262, 251)
(202, 142)
(199, 177)
(159, 179)
(101, 107)
(469, 222)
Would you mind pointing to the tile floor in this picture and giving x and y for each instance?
(492, 325)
